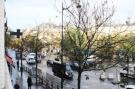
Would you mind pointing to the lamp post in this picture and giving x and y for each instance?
(18, 34)
(127, 68)
(78, 7)
(62, 80)
(36, 51)
(21, 68)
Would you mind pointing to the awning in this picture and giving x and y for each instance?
(9, 60)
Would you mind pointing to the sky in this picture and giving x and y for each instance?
(28, 13)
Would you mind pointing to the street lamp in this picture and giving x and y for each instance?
(18, 34)
(78, 7)
(36, 51)
(62, 80)
(35, 37)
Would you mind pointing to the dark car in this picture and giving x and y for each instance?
(88, 65)
(74, 66)
(50, 63)
(65, 67)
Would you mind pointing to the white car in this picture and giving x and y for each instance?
(24, 55)
(130, 87)
(31, 58)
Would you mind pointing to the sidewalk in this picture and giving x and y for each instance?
(16, 77)
(25, 86)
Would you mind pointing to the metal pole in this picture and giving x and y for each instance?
(62, 49)
(36, 65)
(36, 58)
(17, 57)
(21, 58)
(127, 68)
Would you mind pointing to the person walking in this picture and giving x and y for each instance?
(17, 64)
(29, 81)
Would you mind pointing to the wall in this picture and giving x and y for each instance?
(5, 81)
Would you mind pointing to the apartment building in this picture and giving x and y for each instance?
(5, 81)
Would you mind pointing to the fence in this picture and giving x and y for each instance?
(47, 80)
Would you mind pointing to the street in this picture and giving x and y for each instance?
(92, 83)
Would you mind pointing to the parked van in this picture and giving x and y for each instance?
(31, 58)
(57, 70)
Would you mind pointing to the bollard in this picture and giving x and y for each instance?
(26, 69)
(57, 86)
(42, 80)
(52, 85)
(30, 71)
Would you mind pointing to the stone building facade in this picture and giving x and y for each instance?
(5, 81)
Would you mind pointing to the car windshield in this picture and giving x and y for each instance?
(76, 64)
(32, 54)
(68, 67)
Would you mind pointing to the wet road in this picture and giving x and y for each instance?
(92, 83)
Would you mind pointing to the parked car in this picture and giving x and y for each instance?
(50, 63)
(130, 87)
(90, 62)
(31, 58)
(24, 55)
(39, 57)
(74, 65)
(67, 72)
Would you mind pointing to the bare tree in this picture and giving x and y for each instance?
(29, 40)
(87, 23)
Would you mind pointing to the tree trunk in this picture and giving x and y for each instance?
(79, 78)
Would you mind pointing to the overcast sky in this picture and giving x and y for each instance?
(27, 13)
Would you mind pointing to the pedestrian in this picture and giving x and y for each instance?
(17, 64)
(87, 77)
(16, 86)
(29, 81)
